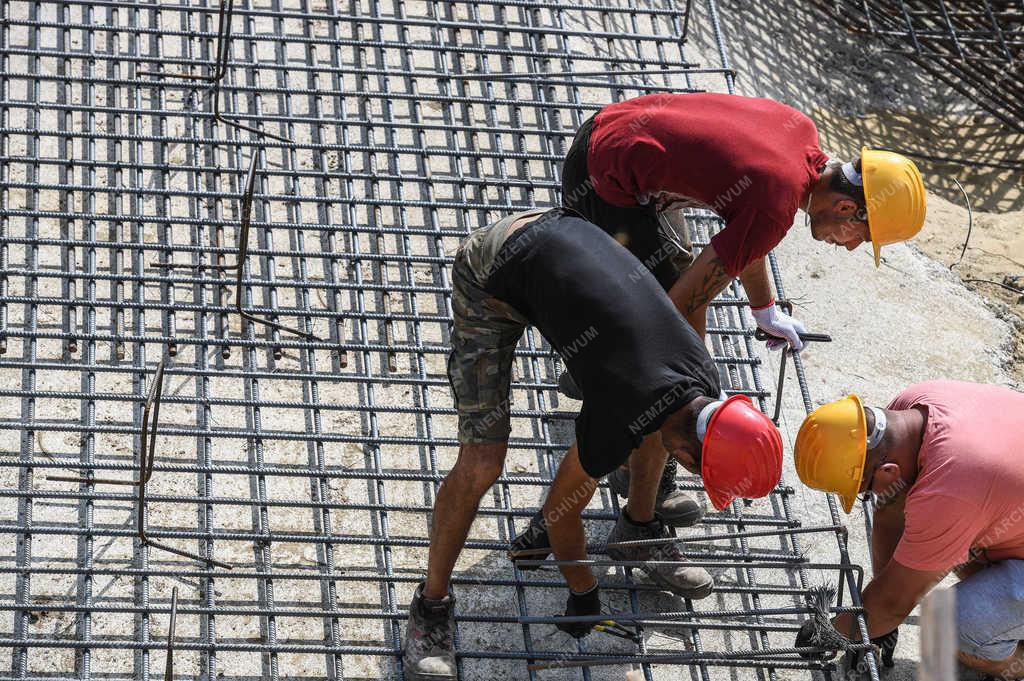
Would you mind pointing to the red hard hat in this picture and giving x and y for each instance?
(742, 453)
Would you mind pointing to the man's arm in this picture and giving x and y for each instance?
(698, 286)
(889, 598)
(886, 530)
(755, 282)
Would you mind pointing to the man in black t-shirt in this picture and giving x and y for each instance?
(650, 389)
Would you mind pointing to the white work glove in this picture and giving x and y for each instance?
(775, 322)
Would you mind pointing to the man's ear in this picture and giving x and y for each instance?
(685, 458)
(886, 477)
(844, 207)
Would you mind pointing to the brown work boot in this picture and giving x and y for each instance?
(672, 573)
(676, 507)
(674, 229)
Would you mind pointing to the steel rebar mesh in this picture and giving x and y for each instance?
(974, 46)
(321, 160)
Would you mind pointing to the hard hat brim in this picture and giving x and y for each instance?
(875, 245)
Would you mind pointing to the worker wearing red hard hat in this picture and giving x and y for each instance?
(649, 387)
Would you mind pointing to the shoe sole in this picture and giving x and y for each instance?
(413, 676)
(529, 568)
(694, 594)
(417, 676)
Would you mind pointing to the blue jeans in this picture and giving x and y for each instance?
(990, 610)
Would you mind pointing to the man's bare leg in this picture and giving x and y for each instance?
(570, 493)
(1010, 668)
(645, 466)
(476, 469)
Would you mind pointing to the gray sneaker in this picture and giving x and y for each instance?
(688, 582)
(676, 507)
(672, 228)
(429, 646)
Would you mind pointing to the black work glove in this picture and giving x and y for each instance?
(588, 603)
(885, 647)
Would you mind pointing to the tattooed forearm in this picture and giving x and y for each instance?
(712, 279)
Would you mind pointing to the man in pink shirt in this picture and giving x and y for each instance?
(944, 464)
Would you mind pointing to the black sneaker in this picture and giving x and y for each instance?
(534, 537)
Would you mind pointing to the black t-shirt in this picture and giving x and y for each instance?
(632, 354)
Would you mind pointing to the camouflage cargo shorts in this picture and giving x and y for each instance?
(485, 332)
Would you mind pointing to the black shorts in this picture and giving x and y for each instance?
(636, 227)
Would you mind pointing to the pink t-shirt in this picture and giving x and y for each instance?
(969, 491)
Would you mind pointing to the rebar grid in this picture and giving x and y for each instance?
(364, 140)
(974, 46)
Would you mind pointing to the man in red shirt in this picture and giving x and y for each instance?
(752, 161)
(943, 463)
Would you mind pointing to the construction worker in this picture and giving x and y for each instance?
(943, 463)
(649, 385)
(752, 161)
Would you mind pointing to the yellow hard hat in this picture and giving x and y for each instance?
(894, 193)
(831, 447)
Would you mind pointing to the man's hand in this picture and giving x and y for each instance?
(588, 603)
(775, 322)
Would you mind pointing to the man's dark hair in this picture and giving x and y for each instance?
(869, 420)
(689, 424)
(686, 421)
(840, 184)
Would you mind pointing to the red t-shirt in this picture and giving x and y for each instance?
(969, 491)
(750, 160)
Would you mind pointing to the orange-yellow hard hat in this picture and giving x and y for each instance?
(831, 448)
(895, 197)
